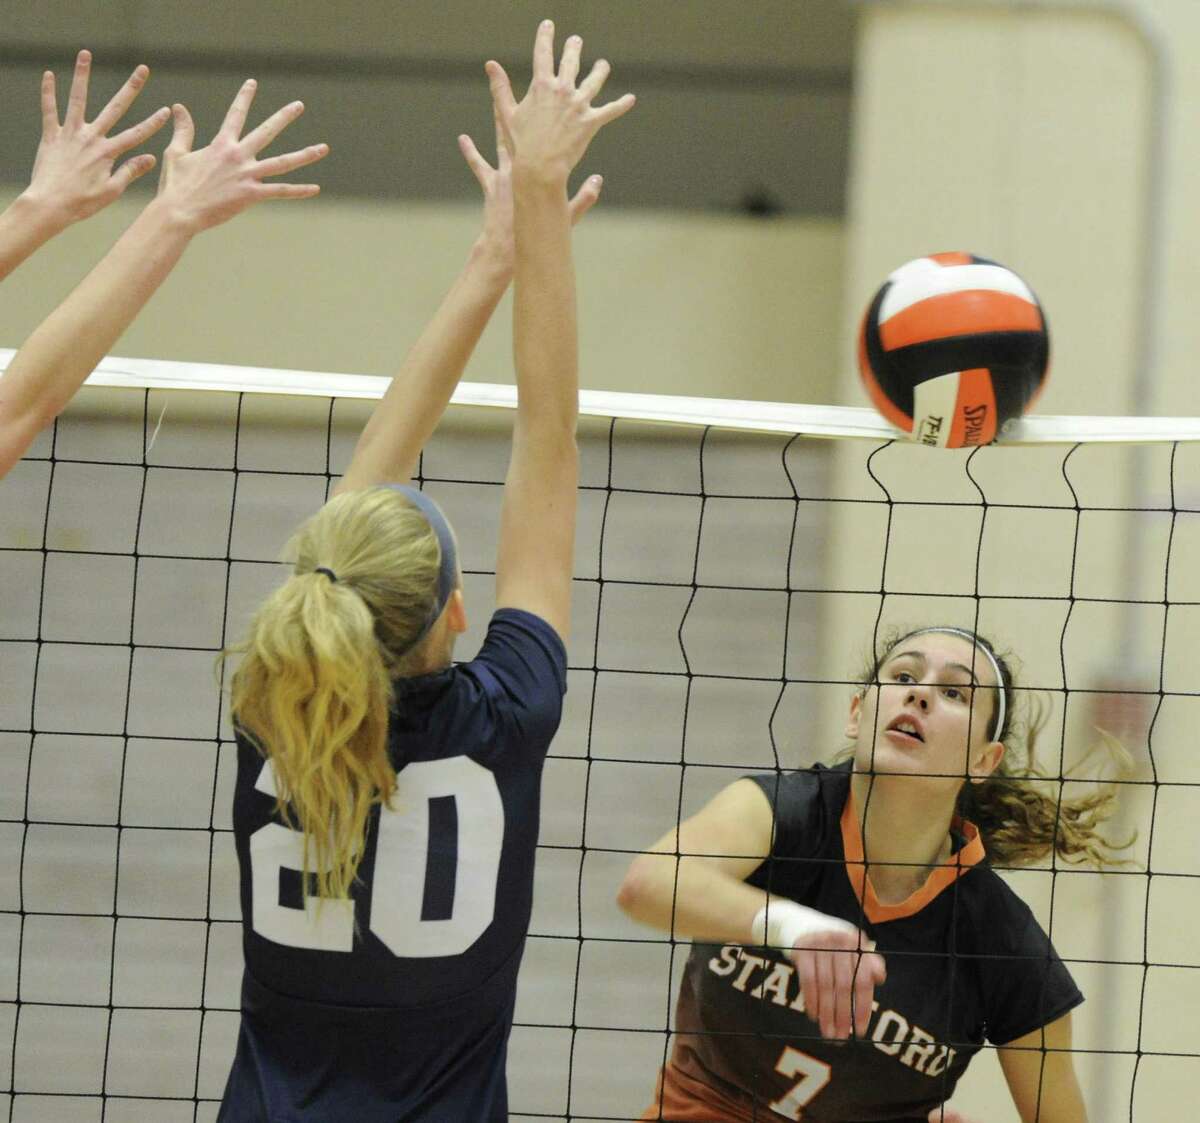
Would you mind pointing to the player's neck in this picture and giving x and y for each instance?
(435, 653)
(904, 837)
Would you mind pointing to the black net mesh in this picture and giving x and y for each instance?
(728, 586)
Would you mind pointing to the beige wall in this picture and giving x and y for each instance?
(697, 305)
(1021, 134)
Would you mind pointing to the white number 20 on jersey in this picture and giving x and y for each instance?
(401, 861)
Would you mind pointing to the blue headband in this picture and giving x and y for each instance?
(448, 570)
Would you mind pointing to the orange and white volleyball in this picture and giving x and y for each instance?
(952, 348)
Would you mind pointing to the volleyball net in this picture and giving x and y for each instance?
(735, 563)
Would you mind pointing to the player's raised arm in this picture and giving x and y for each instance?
(198, 189)
(73, 172)
(547, 134)
(410, 410)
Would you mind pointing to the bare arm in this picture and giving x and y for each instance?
(197, 190)
(547, 134)
(1041, 1076)
(73, 174)
(691, 882)
(410, 410)
(417, 396)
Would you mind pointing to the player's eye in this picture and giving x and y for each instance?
(903, 676)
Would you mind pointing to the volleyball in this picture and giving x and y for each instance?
(952, 348)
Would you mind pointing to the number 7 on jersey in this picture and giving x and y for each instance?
(814, 1075)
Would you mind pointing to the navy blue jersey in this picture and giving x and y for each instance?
(966, 963)
(396, 1005)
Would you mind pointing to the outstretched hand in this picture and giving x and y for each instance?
(73, 172)
(549, 130)
(496, 183)
(210, 185)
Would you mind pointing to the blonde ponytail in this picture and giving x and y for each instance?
(313, 690)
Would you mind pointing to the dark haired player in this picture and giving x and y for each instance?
(853, 949)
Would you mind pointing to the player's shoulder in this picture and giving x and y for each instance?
(805, 787)
(1023, 982)
(521, 622)
(520, 649)
(1003, 923)
(518, 678)
(805, 803)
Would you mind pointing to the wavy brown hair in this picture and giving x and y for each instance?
(1020, 809)
(313, 690)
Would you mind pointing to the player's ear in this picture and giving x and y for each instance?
(456, 612)
(855, 714)
(987, 761)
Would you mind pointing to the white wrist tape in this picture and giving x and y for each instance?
(784, 924)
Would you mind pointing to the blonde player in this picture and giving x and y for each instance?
(197, 189)
(386, 803)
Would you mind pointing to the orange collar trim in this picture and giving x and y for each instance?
(962, 861)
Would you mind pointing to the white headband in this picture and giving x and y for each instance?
(1001, 709)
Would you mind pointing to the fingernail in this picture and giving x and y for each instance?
(547, 23)
(251, 82)
(597, 180)
(575, 40)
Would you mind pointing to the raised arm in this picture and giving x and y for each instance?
(197, 190)
(547, 134)
(410, 410)
(73, 174)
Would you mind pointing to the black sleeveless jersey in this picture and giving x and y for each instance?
(396, 1005)
(966, 963)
